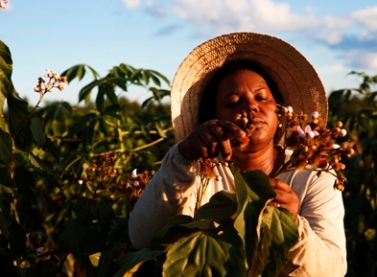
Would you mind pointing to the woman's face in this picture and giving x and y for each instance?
(247, 91)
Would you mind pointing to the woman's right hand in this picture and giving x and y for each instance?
(210, 139)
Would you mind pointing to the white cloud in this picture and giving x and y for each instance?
(334, 68)
(367, 17)
(235, 15)
(131, 3)
(351, 36)
(310, 9)
(331, 38)
(337, 23)
(362, 59)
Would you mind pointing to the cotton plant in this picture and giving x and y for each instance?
(313, 146)
(4, 4)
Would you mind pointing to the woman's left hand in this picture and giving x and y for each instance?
(286, 197)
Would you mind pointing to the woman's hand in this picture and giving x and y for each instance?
(210, 139)
(286, 197)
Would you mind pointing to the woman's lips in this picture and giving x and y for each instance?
(257, 122)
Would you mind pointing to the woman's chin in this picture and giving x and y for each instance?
(253, 147)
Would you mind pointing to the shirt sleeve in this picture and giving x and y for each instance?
(171, 191)
(321, 247)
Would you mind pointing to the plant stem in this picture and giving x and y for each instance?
(203, 189)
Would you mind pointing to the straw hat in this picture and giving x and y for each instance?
(294, 76)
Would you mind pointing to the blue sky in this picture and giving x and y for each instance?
(336, 36)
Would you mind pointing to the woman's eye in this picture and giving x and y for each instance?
(261, 98)
(232, 100)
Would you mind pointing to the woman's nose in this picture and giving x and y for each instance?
(252, 105)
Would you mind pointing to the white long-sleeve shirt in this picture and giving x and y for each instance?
(321, 248)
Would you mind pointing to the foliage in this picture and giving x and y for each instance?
(66, 187)
(64, 169)
(226, 235)
(357, 108)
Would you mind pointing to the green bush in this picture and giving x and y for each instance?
(357, 109)
(64, 170)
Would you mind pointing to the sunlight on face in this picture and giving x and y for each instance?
(246, 91)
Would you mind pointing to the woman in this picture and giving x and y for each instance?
(221, 80)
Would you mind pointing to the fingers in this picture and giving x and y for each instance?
(282, 190)
(278, 184)
(210, 139)
(224, 133)
(286, 197)
(232, 129)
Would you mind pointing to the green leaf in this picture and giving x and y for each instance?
(6, 261)
(6, 59)
(67, 106)
(107, 89)
(89, 132)
(78, 71)
(160, 131)
(159, 75)
(38, 130)
(103, 212)
(116, 81)
(147, 101)
(6, 177)
(251, 205)
(6, 151)
(282, 234)
(268, 232)
(17, 238)
(336, 100)
(94, 258)
(206, 254)
(145, 76)
(132, 259)
(19, 122)
(112, 96)
(177, 227)
(136, 77)
(37, 162)
(103, 126)
(155, 80)
(84, 93)
(51, 148)
(100, 99)
(220, 209)
(80, 238)
(82, 208)
(6, 86)
(113, 111)
(6, 199)
(82, 123)
(125, 69)
(5, 222)
(107, 258)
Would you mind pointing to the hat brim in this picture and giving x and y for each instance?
(294, 77)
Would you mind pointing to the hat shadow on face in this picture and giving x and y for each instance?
(294, 77)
